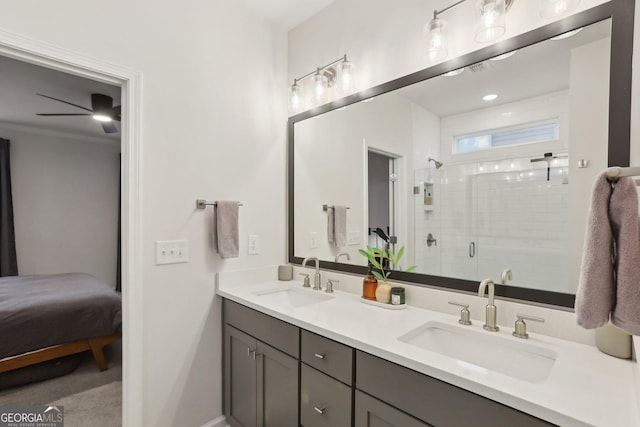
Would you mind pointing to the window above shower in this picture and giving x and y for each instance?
(528, 133)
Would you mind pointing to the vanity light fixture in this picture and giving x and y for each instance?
(557, 8)
(339, 71)
(102, 117)
(490, 26)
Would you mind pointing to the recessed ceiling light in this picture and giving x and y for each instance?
(504, 56)
(567, 34)
(490, 97)
(454, 72)
(102, 118)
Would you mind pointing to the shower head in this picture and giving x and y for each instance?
(435, 162)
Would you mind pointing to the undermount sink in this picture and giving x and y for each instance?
(292, 297)
(480, 351)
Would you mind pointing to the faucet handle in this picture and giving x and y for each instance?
(465, 314)
(521, 327)
(330, 283)
(307, 283)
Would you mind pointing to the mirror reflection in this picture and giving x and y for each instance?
(475, 171)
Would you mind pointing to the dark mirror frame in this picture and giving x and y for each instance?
(621, 13)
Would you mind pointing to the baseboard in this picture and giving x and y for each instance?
(221, 421)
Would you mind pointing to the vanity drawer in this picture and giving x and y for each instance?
(281, 335)
(324, 401)
(328, 356)
(431, 400)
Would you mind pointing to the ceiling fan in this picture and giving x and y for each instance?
(102, 110)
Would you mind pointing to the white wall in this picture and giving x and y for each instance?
(330, 168)
(65, 202)
(213, 126)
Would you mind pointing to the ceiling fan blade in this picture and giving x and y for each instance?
(82, 114)
(65, 102)
(109, 127)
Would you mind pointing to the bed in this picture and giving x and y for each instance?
(44, 317)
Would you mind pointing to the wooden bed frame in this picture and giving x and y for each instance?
(96, 346)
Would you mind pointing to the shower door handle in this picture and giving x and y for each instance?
(472, 249)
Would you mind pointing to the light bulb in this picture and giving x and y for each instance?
(556, 8)
(346, 84)
(295, 97)
(437, 48)
(320, 89)
(491, 20)
(102, 117)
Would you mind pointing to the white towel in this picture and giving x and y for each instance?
(225, 228)
(337, 226)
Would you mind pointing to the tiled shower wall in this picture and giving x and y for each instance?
(492, 216)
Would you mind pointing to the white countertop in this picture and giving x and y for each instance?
(585, 387)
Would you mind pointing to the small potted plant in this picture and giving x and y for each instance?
(377, 259)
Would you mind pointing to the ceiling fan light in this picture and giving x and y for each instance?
(102, 117)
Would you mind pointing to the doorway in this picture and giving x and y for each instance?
(382, 179)
(129, 81)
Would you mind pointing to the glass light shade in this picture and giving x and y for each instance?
(295, 98)
(102, 117)
(556, 8)
(490, 20)
(346, 84)
(320, 89)
(437, 47)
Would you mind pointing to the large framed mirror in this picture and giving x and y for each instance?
(472, 188)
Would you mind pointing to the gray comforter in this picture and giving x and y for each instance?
(46, 310)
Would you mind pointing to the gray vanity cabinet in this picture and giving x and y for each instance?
(370, 412)
(260, 381)
(324, 401)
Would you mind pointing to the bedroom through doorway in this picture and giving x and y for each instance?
(62, 133)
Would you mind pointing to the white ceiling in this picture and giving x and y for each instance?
(287, 14)
(21, 81)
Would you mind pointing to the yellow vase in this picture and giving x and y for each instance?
(383, 292)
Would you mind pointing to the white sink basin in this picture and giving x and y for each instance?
(292, 297)
(482, 351)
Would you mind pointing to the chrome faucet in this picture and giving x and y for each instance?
(507, 274)
(491, 311)
(316, 276)
(345, 254)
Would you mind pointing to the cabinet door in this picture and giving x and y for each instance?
(277, 386)
(240, 379)
(371, 412)
(324, 401)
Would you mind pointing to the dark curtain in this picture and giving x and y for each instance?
(8, 259)
(119, 259)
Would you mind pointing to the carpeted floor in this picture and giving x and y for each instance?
(98, 407)
(87, 376)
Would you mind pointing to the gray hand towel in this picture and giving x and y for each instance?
(340, 226)
(225, 228)
(623, 210)
(596, 294)
(331, 235)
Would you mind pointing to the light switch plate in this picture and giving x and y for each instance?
(254, 244)
(313, 240)
(353, 237)
(172, 251)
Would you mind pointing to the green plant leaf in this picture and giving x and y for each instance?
(410, 269)
(378, 275)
